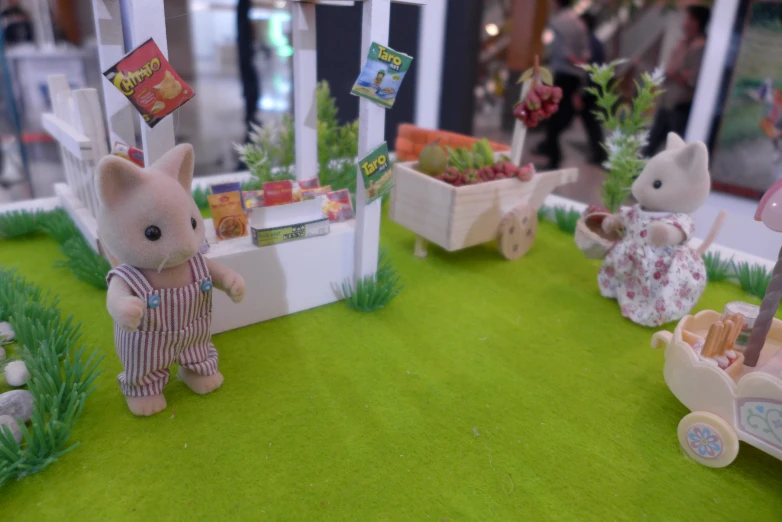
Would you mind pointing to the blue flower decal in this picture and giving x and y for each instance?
(206, 286)
(705, 441)
(154, 301)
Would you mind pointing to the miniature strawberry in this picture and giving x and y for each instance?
(550, 108)
(544, 92)
(556, 94)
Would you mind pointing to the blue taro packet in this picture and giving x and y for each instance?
(382, 75)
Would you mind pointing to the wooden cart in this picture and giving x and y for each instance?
(461, 217)
(739, 403)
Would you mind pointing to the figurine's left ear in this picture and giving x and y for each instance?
(674, 141)
(178, 163)
(693, 160)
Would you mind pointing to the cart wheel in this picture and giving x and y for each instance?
(517, 232)
(708, 439)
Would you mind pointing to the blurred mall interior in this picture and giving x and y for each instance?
(468, 56)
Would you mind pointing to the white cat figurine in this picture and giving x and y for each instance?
(651, 272)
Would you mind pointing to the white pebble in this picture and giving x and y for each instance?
(16, 373)
(17, 404)
(7, 420)
(6, 332)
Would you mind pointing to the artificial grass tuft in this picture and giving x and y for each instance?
(374, 292)
(566, 218)
(753, 279)
(718, 269)
(18, 223)
(86, 264)
(60, 381)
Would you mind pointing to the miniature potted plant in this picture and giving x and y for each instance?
(627, 127)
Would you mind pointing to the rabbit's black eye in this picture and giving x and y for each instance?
(193, 223)
(657, 184)
(152, 233)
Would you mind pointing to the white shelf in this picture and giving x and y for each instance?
(282, 279)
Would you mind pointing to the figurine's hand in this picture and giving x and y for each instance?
(234, 287)
(611, 224)
(127, 313)
(662, 235)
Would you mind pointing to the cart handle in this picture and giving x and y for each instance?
(662, 338)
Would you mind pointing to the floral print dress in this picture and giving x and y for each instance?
(653, 285)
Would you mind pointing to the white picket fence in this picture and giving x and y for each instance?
(78, 127)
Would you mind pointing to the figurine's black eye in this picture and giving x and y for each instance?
(193, 223)
(152, 233)
(657, 184)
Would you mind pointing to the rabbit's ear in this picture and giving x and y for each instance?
(116, 179)
(693, 160)
(178, 163)
(674, 141)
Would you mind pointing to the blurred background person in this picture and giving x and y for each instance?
(681, 75)
(249, 76)
(570, 46)
(588, 102)
(16, 23)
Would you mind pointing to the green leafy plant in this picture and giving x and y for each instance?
(718, 269)
(200, 195)
(753, 279)
(270, 153)
(86, 264)
(542, 212)
(566, 219)
(626, 125)
(373, 292)
(60, 378)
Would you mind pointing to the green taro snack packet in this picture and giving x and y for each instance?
(377, 172)
(382, 75)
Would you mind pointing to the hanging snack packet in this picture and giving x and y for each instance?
(129, 153)
(228, 215)
(382, 75)
(337, 205)
(149, 82)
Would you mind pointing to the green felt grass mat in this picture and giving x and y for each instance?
(488, 390)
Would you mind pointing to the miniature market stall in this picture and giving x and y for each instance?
(280, 278)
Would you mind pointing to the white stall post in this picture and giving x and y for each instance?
(431, 49)
(371, 133)
(305, 78)
(148, 20)
(111, 49)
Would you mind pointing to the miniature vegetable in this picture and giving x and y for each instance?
(433, 159)
(473, 176)
(542, 99)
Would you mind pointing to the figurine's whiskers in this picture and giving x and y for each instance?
(163, 263)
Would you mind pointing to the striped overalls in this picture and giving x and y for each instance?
(175, 328)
